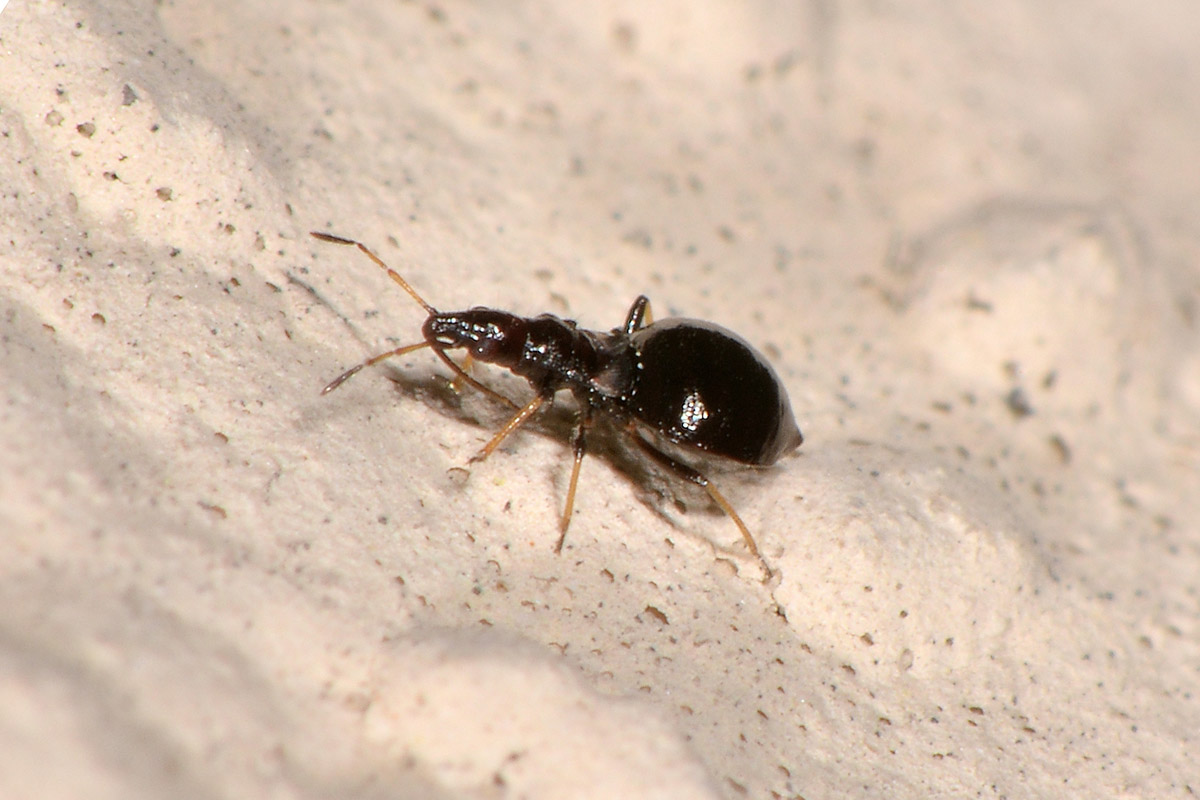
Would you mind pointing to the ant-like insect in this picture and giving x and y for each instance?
(677, 385)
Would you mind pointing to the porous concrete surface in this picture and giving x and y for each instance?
(967, 237)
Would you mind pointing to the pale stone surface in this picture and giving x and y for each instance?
(966, 236)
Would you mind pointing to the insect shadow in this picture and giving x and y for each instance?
(647, 479)
(679, 389)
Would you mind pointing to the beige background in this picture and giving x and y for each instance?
(966, 235)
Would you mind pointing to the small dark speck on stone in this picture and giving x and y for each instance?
(639, 237)
(978, 304)
(1018, 403)
(658, 615)
(1061, 448)
(625, 37)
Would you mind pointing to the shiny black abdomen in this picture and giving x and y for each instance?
(703, 386)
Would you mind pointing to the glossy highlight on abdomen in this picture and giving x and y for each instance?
(704, 386)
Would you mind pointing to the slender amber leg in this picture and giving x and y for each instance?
(580, 447)
(519, 419)
(698, 478)
(639, 315)
(457, 382)
(462, 376)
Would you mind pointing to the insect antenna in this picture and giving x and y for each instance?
(461, 375)
(373, 360)
(329, 237)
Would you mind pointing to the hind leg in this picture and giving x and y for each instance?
(694, 476)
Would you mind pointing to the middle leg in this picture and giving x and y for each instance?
(579, 447)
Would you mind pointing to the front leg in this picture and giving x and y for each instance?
(520, 418)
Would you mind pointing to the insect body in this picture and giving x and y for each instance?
(677, 386)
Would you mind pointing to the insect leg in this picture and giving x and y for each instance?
(698, 478)
(461, 376)
(456, 383)
(580, 447)
(639, 315)
(519, 419)
(350, 373)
